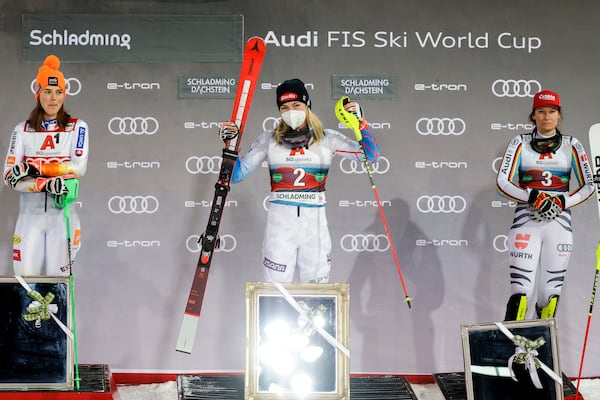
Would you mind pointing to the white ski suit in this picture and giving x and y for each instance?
(297, 234)
(545, 243)
(40, 238)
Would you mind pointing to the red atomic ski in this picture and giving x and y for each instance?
(254, 54)
(594, 136)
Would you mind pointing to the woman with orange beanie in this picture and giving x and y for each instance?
(44, 151)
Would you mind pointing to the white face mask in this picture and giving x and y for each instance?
(294, 118)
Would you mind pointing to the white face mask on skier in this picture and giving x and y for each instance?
(294, 118)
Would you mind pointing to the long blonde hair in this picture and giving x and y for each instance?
(314, 124)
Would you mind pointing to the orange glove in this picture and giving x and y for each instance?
(537, 199)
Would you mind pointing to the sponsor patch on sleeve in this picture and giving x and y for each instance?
(80, 142)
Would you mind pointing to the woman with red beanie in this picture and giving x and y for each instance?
(298, 152)
(536, 173)
(45, 150)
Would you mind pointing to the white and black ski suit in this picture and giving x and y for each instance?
(296, 234)
(532, 242)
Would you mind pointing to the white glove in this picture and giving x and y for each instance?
(18, 172)
(550, 208)
(228, 130)
(54, 185)
(355, 109)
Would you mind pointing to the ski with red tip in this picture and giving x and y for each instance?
(254, 53)
(594, 137)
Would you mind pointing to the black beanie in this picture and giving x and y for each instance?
(292, 90)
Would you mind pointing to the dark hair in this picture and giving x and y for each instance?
(37, 116)
(532, 113)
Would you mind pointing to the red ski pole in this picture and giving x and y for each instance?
(589, 319)
(351, 122)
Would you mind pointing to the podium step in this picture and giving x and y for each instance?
(453, 387)
(209, 387)
(96, 384)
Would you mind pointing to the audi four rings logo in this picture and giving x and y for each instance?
(496, 164)
(270, 123)
(72, 86)
(133, 204)
(441, 204)
(564, 247)
(203, 165)
(441, 126)
(133, 125)
(515, 87)
(227, 243)
(369, 243)
(500, 243)
(349, 166)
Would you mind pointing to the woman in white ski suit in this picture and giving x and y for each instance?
(299, 153)
(43, 152)
(536, 172)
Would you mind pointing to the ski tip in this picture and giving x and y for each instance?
(255, 38)
(256, 44)
(595, 129)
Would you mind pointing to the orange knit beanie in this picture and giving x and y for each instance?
(49, 75)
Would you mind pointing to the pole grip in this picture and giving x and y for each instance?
(348, 118)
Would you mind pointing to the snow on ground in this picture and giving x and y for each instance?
(589, 388)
